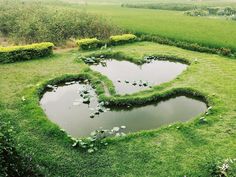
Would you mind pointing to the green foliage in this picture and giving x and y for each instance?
(197, 12)
(27, 52)
(191, 9)
(31, 22)
(122, 39)
(227, 11)
(162, 6)
(93, 43)
(13, 163)
(213, 10)
(6, 147)
(225, 168)
(88, 43)
(233, 17)
(97, 139)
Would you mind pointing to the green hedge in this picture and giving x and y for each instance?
(27, 52)
(197, 12)
(127, 38)
(93, 43)
(122, 39)
(88, 43)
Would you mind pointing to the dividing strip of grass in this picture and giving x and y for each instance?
(189, 149)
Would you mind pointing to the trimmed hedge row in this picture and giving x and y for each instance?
(127, 38)
(93, 43)
(122, 39)
(88, 43)
(189, 46)
(27, 52)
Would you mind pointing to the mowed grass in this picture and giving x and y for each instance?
(170, 151)
(171, 24)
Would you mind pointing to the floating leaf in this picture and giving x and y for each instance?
(90, 150)
(116, 129)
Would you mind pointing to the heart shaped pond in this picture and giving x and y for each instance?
(68, 106)
(128, 77)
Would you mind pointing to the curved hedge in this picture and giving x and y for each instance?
(20, 53)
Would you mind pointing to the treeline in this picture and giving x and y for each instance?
(221, 11)
(27, 22)
(162, 6)
(213, 11)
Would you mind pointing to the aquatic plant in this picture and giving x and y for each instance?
(97, 139)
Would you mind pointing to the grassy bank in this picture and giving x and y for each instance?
(190, 149)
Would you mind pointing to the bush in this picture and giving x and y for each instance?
(35, 22)
(27, 52)
(122, 39)
(197, 12)
(233, 17)
(229, 11)
(93, 43)
(88, 43)
(162, 6)
(213, 10)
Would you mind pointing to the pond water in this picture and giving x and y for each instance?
(67, 106)
(128, 77)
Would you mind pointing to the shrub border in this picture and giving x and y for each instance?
(228, 52)
(21, 53)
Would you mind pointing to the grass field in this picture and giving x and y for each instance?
(211, 32)
(172, 24)
(191, 150)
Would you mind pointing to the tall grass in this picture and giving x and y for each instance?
(38, 22)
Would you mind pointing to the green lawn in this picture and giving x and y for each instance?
(169, 151)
